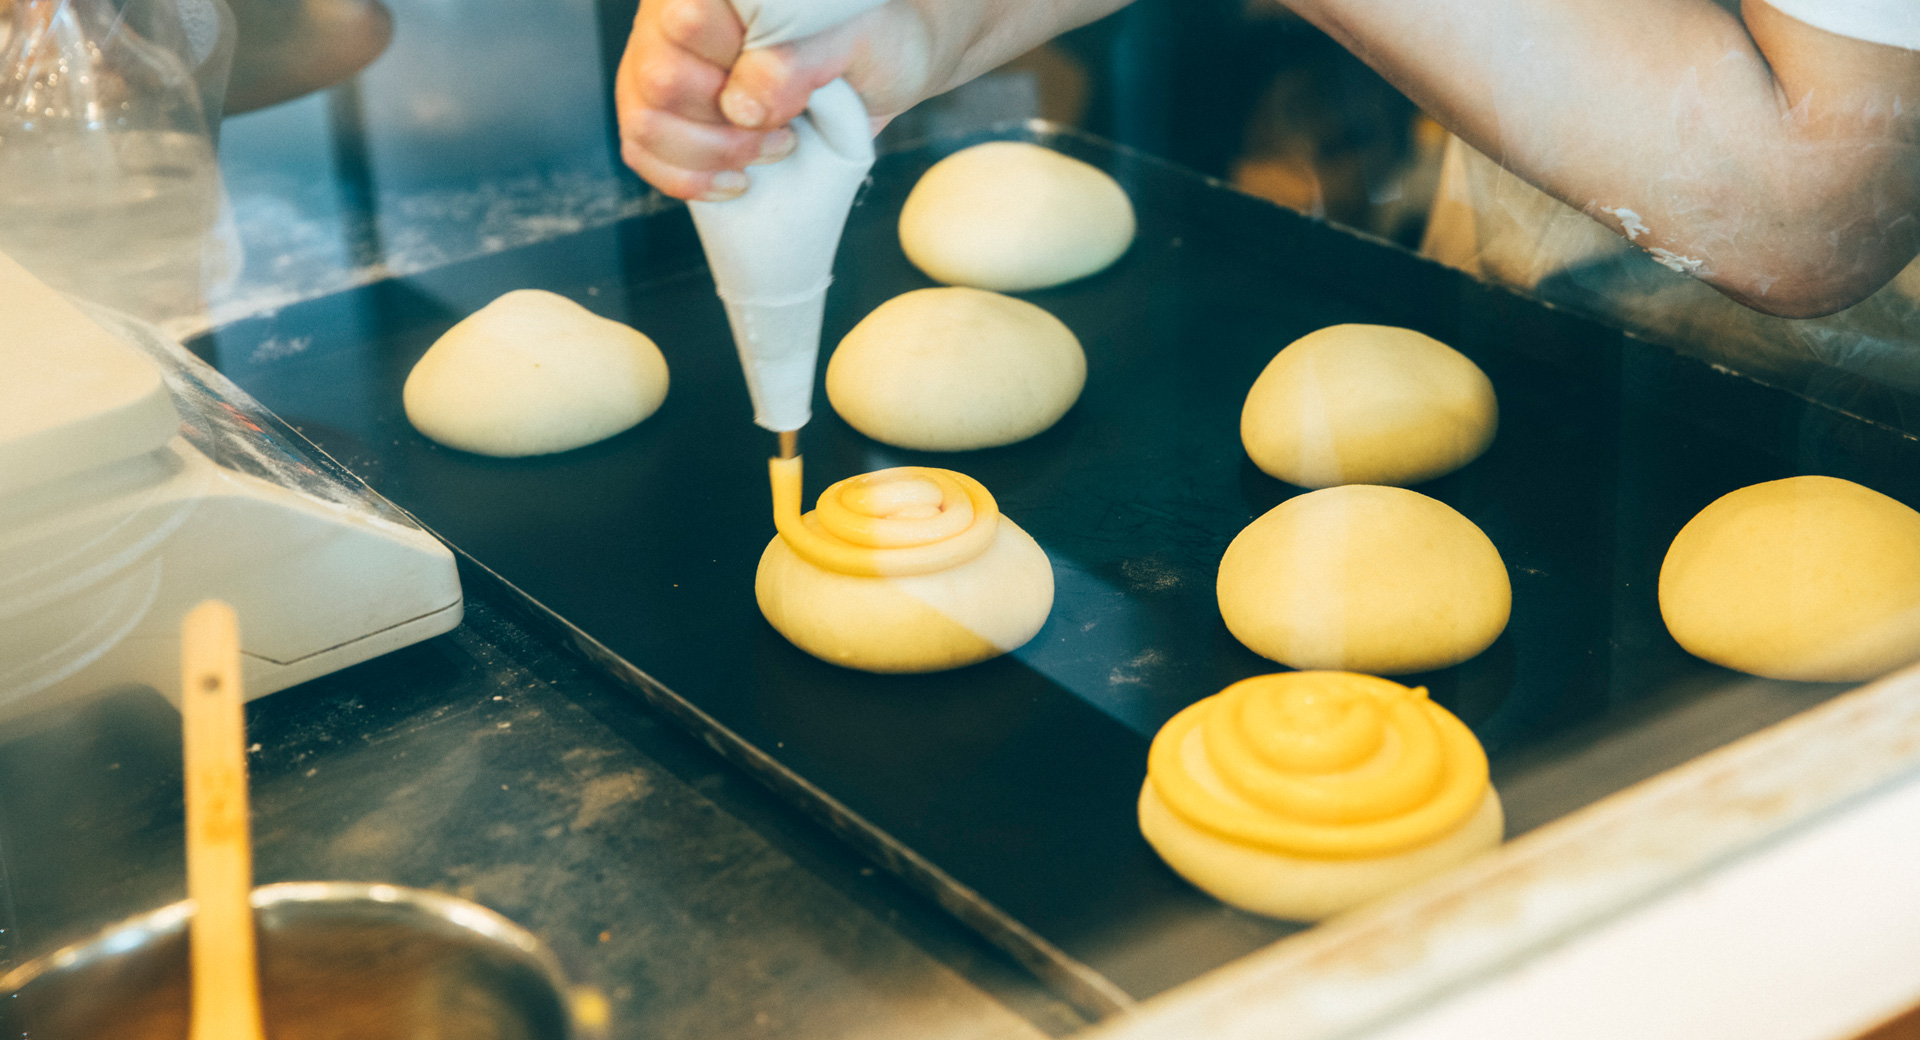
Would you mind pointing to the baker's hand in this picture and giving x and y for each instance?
(667, 96)
(694, 111)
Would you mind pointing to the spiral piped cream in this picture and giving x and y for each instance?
(1320, 764)
(900, 570)
(901, 521)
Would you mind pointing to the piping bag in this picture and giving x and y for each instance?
(771, 249)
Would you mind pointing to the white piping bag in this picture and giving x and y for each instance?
(771, 249)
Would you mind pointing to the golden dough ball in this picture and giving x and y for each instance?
(1303, 794)
(1810, 578)
(1367, 404)
(955, 369)
(533, 373)
(1012, 216)
(1364, 578)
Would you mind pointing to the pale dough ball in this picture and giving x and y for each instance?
(1364, 578)
(533, 373)
(980, 609)
(1810, 578)
(1013, 216)
(1305, 888)
(1367, 404)
(955, 369)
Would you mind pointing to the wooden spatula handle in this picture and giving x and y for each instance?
(226, 995)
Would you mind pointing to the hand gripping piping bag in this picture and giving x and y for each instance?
(771, 249)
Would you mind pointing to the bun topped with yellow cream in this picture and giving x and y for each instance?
(911, 569)
(1301, 794)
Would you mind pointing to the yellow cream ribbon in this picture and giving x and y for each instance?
(1328, 764)
(891, 522)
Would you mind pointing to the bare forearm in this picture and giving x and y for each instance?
(983, 35)
(1729, 148)
(909, 50)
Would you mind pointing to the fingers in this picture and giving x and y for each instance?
(679, 183)
(684, 86)
(887, 54)
(694, 145)
(692, 160)
(770, 86)
(706, 29)
(677, 57)
(694, 111)
(672, 131)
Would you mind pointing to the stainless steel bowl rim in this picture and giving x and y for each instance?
(141, 929)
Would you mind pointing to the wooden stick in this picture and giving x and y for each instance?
(226, 989)
(789, 443)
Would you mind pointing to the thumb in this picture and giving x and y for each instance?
(769, 86)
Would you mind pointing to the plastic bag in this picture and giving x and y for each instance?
(109, 186)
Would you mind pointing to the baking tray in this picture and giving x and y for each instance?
(1006, 790)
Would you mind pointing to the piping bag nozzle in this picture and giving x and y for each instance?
(771, 251)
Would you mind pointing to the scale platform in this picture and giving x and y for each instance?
(135, 481)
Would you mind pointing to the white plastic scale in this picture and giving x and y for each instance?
(135, 481)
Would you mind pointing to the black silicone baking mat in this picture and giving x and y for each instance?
(1006, 789)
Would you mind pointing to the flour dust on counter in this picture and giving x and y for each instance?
(485, 765)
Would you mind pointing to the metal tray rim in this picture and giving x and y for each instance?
(1359, 972)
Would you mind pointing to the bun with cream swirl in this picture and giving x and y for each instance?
(911, 569)
(1302, 794)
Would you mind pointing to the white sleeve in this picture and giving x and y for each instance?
(1895, 23)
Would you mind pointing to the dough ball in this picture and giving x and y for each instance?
(1305, 888)
(1012, 216)
(955, 369)
(533, 373)
(1367, 404)
(980, 609)
(1302, 794)
(1364, 578)
(1810, 578)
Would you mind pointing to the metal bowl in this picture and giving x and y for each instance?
(338, 961)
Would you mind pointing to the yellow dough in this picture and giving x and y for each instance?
(1302, 794)
(1367, 404)
(909, 569)
(1012, 216)
(955, 369)
(533, 373)
(1364, 578)
(1810, 578)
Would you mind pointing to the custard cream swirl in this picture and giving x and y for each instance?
(1328, 764)
(891, 522)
